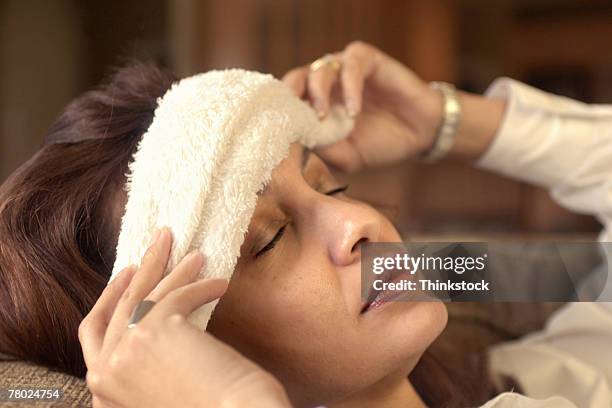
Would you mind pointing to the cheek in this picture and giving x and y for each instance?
(293, 321)
(296, 298)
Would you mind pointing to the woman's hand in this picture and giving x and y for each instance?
(165, 360)
(397, 114)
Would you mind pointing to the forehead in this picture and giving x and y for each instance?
(288, 169)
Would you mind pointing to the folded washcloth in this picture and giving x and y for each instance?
(212, 145)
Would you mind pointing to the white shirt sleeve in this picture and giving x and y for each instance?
(557, 143)
(566, 147)
(513, 400)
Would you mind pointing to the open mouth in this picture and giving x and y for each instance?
(377, 298)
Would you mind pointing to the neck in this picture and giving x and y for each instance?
(388, 393)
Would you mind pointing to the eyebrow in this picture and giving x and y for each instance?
(306, 152)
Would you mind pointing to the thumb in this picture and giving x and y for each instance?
(342, 155)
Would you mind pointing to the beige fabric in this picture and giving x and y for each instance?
(18, 374)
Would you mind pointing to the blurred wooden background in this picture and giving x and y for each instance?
(50, 51)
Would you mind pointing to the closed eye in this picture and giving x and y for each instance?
(281, 230)
(272, 242)
(337, 190)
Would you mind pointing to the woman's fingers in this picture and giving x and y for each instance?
(93, 327)
(320, 83)
(147, 277)
(186, 299)
(184, 273)
(342, 155)
(296, 79)
(358, 62)
(352, 81)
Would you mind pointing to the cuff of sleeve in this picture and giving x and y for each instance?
(535, 142)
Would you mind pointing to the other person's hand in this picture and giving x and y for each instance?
(164, 360)
(397, 114)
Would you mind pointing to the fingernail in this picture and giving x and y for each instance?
(124, 274)
(220, 281)
(351, 107)
(320, 108)
(196, 255)
(155, 236)
(131, 271)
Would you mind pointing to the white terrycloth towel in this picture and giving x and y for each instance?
(213, 143)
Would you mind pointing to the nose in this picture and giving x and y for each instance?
(345, 227)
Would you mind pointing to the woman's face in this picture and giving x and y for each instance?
(294, 302)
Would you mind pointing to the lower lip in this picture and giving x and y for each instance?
(381, 300)
(386, 296)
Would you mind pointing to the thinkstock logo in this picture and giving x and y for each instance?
(487, 272)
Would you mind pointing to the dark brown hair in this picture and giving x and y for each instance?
(59, 225)
(58, 218)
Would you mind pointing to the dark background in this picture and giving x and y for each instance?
(52, 50)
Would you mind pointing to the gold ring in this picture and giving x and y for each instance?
(327, 59)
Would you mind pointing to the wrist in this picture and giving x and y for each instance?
(260, 401)
(480, 121)
(421, 109)
(259, 394)
(433, 115)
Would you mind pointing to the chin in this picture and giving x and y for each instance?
(416, 325)
(402, 332)
(433, 317)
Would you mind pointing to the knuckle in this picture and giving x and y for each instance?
(157, 293)
(158, 263)
(112, 285)
(139, 337)
(317, 90)
(95, 380)
(350, 63)
(356, 45)
(127, 295)
(116, 363)
(313, 83)
(176, 319)
(186, 294)
(83, 329)
(292, 73)
(151, 255)
(97, 403)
